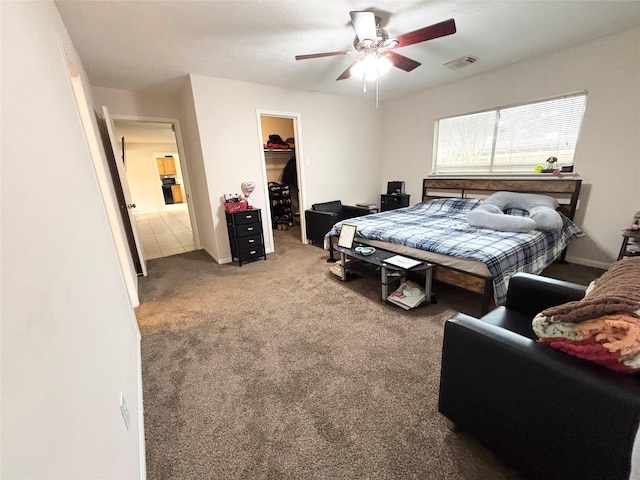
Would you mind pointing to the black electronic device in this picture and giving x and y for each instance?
(395, 188)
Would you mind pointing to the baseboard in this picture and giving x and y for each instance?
(588, 263)
(229, 259)
(224, 260)
(141, 427)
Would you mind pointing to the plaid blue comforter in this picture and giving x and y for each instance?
(441, 226)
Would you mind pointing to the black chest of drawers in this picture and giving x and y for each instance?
(391, 202)
(245, 235)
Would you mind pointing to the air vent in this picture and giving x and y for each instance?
(461, 62)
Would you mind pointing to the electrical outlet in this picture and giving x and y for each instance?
(124, 410)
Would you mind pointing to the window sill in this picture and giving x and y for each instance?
(510, 176)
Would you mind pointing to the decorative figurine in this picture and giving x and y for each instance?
(247, 189)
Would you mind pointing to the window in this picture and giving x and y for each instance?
(510, 139)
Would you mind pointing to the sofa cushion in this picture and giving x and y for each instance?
(511, 320)
(333, 207)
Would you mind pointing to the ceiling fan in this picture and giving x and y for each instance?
(377, 49)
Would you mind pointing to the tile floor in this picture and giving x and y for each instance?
(165, 233)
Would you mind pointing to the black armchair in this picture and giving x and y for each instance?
(323, 216)
(546, 413)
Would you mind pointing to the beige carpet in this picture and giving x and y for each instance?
(277, 370)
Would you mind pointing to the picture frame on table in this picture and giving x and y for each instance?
(347, 234)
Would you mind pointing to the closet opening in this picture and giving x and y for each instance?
(282, 167)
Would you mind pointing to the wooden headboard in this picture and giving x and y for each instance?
(566, 192)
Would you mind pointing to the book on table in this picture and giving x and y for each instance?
(402, 262)
(408, 295)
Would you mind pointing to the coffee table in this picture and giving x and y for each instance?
(366, 266)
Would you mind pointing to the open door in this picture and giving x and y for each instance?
(124, 194)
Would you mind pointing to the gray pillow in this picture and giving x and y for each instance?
(547, 219)
(541, 208)
(485, 217)
(524, 201)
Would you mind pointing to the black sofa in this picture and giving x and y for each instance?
(323, 216)
(547, 414)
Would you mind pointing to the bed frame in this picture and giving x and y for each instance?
(566, 192)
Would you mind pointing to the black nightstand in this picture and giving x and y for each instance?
(391, 202)
(245, 235)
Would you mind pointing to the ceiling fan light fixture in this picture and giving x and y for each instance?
(371, 67)
(377, 50)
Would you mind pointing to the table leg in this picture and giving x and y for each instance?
(427, 284)
(383, 280)
(331, 258)
(343, 262)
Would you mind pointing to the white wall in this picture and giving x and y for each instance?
(139, 103)
(143, 176)
(608, 153)
(338, 145)
(197, 173)
(69, 342)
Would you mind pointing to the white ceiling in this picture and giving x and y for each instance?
(152, 45)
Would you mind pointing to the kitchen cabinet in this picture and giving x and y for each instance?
(166, 165)
(176, 192)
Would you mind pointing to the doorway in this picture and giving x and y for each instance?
(278, 136)
(159, 186)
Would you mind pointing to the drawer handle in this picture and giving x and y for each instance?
(252, 252)
(249, 229)
(251, 241)
(248, 216)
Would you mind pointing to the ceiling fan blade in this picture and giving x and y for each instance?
(347, 73)
(436, 30)
(364, 23)
(402, 62)
(325, 54)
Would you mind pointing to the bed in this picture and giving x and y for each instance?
(477, 259)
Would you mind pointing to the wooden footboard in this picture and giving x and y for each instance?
(466, 281)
